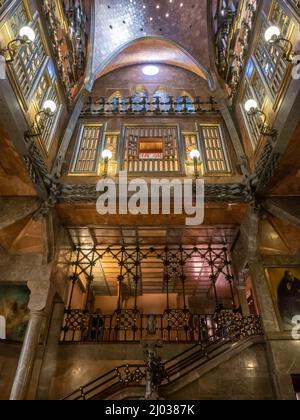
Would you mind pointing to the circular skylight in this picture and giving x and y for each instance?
(150, 70)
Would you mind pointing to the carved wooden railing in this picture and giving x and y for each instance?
(135, 376)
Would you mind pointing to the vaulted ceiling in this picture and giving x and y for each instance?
(182, 24)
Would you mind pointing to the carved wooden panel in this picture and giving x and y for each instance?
(164, 159)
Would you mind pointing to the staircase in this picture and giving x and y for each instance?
(129, 381)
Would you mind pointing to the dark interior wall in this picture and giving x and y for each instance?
(9, 356)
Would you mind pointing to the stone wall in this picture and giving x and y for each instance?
(244, 377)
(77, 365)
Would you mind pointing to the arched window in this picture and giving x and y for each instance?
(139, 99)
(117, 103)
(161, 100)
(184, 103)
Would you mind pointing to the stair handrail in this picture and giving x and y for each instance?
(230, 333)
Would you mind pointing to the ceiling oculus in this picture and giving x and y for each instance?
(150, 70)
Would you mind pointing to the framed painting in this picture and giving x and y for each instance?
(285, 288)
(14, 313)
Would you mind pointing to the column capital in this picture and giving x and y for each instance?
(40, 291)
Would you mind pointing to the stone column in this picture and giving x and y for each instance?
(40, 291)
(50, 357)
(241, 290)
(27, 357)
(259, 279)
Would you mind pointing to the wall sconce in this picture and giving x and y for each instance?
(251, 107)
(26, 36)
(106, 156)
(273, 37)
(49, 109)
(195, 157)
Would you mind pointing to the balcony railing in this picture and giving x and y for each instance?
(173, 326)
(96, 106)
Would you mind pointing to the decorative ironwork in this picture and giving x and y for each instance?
(155, 375)
(96, 106)
(129, 375)
(130, 324)
(156, 372)
(70, 48)
(233, 41)
(86, 193)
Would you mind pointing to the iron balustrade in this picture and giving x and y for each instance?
(237, 330)
(127, 326)
(97, 106)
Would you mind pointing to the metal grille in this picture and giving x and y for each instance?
(28, 62)
(269, 57)
(253, 121)
(214, 148)
(86, 159)
(296, 5)
(281, 19)
(50, 122)
(18, 19)
(191, 143)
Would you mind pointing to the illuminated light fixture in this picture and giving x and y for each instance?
(106, 156)
(252, 108)
(272, 34)
(49, 109)
(273, 37)
(26, 36)
(195, 157)
(150, 70)
(27, 32)
(195, 154)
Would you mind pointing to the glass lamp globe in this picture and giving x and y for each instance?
(251, 105)
(107, 154)
(49, 106)
(195, 154)
(272, 33)
(27, 33)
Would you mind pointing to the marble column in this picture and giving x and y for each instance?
(27, 357)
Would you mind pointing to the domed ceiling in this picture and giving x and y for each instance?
(183, 24)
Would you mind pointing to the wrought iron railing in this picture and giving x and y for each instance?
(96, 106)
(173, 326)
(136, 376)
